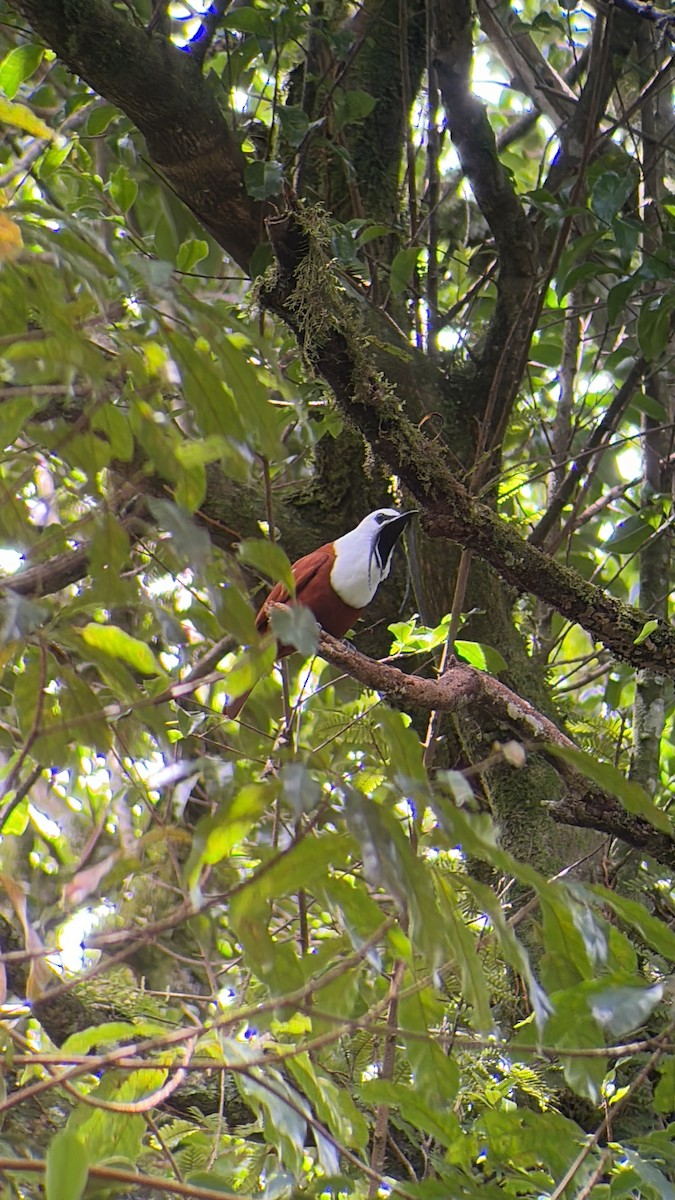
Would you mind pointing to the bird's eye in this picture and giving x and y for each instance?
(381, 518)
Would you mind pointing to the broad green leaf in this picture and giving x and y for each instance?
(110, 1033)
(650, 1175)
(119, 644)
(572, 1027)
(481, 656)
(17, 66)
(206, 389)
(633, 797)
(656, 933)
(123, 189)
(465, 953)
(648, 628)
(296, 626)
(664, 1093)
(389, 863)
(216, 837)
(264, 179)
(236, 615)
(610, 192)
(99, 119)
(402, 269)
(191, 252)
(111, 420)
(620, 1009)
(629, 535)
(67, 1167)
(653, 330)
(21, 117)
(281, 1105)
(15, 412)
(435, 1073)
(247, 20)
(301, 790)
(19, 616)
(115, 1134)
(269, 559)
(258, 417)
(332, 1104)
(351, 106)
(249, 667)
(191, 541)
(439, 1122)
(404, 750)
(294, 123)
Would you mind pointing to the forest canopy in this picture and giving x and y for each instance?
(405, 925)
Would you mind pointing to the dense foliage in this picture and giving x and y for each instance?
(407, 925)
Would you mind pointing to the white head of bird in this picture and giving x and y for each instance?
(363, 556)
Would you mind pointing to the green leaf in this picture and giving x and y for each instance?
(301, 790)
(269, 559)
(191, 541)
(389, 863)
(215, 838)
(647, 628)
(111, 1134)
(465, 953)
(580, 272)
(19, 617)
(664, 1094)
(653, 329)
(281, 1106)
(17, 66)
(617, 297)
(656, 933)
(21, 117)
(14, 415)
(247, 20)
(264, 179)
(633, 797)
(435, 1073)
(294, 123)
(67, 1167)
(610, 193)
(402, 269)
(111, 420)
(351, 106)
(296, 626)
(404, 750)
(191, 252)
(629, 535)
(571, 1026)
(249, 667)
(332, 1104)
(119, 644)
(123, 189)
(621, 1009)
(481, 656)
(439, 1123)
(236, 615)
(99, 119)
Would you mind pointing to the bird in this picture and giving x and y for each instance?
(337, 581)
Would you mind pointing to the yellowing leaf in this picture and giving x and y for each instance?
(114, 641)
(21, 117)
(11, 242)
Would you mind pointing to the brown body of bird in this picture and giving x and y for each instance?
(337, 581)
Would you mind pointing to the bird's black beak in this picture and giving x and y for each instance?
(389, 534)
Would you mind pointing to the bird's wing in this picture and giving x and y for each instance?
(303, 570)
